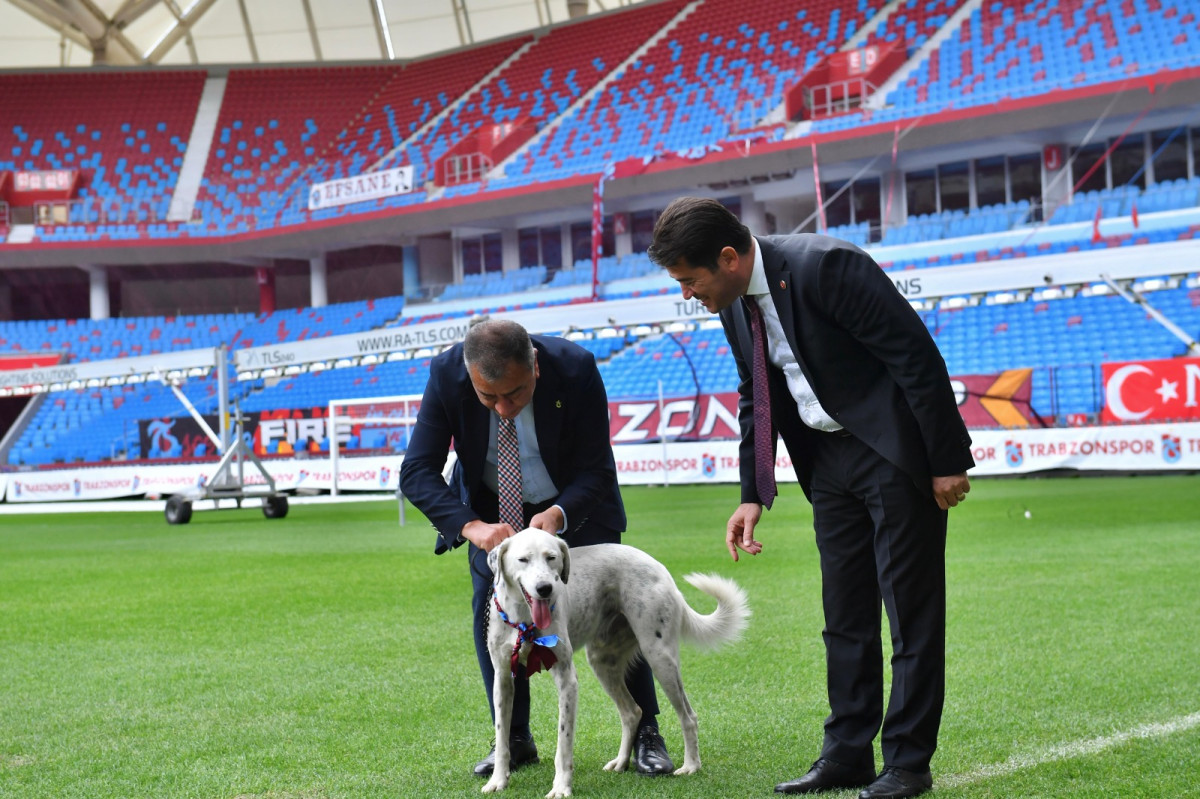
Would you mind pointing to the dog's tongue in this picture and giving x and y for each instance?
(541, 613)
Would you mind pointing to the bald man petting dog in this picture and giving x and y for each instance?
(546, 393)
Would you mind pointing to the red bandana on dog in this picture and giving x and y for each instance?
(540, 654)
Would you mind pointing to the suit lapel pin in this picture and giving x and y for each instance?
(783, 284)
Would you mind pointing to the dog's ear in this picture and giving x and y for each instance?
(495, 559)
(565, 553)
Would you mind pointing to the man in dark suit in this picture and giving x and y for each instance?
(862, 398)
(568, 479)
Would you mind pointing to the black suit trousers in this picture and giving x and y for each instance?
(639, 680)
(882, 544)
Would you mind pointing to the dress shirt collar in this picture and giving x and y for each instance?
(758, 275)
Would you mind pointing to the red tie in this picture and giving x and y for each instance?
(508, 474)
(764, 433)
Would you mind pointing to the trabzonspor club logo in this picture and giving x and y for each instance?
(162, 438)
(1172, 450)
(1014, 455)
(708, 465)
(385, 474)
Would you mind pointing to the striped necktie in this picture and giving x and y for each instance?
(508, 474)
(764, 433)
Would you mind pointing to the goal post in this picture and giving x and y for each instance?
(369, 424)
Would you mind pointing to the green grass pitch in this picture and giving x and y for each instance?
(328, 654)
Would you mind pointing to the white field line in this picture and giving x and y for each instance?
(1074, 749)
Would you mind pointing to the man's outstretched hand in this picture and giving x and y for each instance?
(739, 533)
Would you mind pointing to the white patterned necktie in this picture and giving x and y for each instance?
(508, 474)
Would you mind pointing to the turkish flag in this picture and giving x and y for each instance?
(1096, 227)
(1152, 391)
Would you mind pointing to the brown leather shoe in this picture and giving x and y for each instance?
(827, 775)
(898, 783)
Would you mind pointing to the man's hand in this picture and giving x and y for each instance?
(486, 536)
(739, 533)
(551, 520)
(951, 489)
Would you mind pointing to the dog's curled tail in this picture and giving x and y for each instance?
(723, 625)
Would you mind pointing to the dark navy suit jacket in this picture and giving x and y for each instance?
(867, 355)
(570, 408)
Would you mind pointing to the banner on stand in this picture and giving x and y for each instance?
(1149, 391)
(374, 473)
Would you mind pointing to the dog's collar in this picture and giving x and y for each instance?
(540, 655)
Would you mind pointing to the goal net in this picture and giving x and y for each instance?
(370, 426)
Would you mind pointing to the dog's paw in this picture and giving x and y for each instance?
(617, 764)
(496, 783)
(687, 768)
(559, 791)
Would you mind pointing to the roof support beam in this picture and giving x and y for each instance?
(87, 17)
(100, 30)
(126, 45)
(249, 31)
(131, 10)
(173, 7)
(382, 34)
(52, 16)
(312, 29)
(462, 19)
(84, 23)
(182, 29)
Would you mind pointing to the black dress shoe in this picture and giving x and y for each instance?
(827, 775)
(521, 749)
(650, 753)
(898, 783)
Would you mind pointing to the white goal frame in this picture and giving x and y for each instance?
(409, 404)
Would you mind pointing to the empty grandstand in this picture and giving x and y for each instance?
(1027, 173)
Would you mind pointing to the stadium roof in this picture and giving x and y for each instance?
(83, 33)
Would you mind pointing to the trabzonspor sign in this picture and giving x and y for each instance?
(1142, 448)
(371, 473)
(1151, 391)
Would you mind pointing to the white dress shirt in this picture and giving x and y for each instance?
(779, 352)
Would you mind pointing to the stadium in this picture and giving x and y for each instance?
(233, 234)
